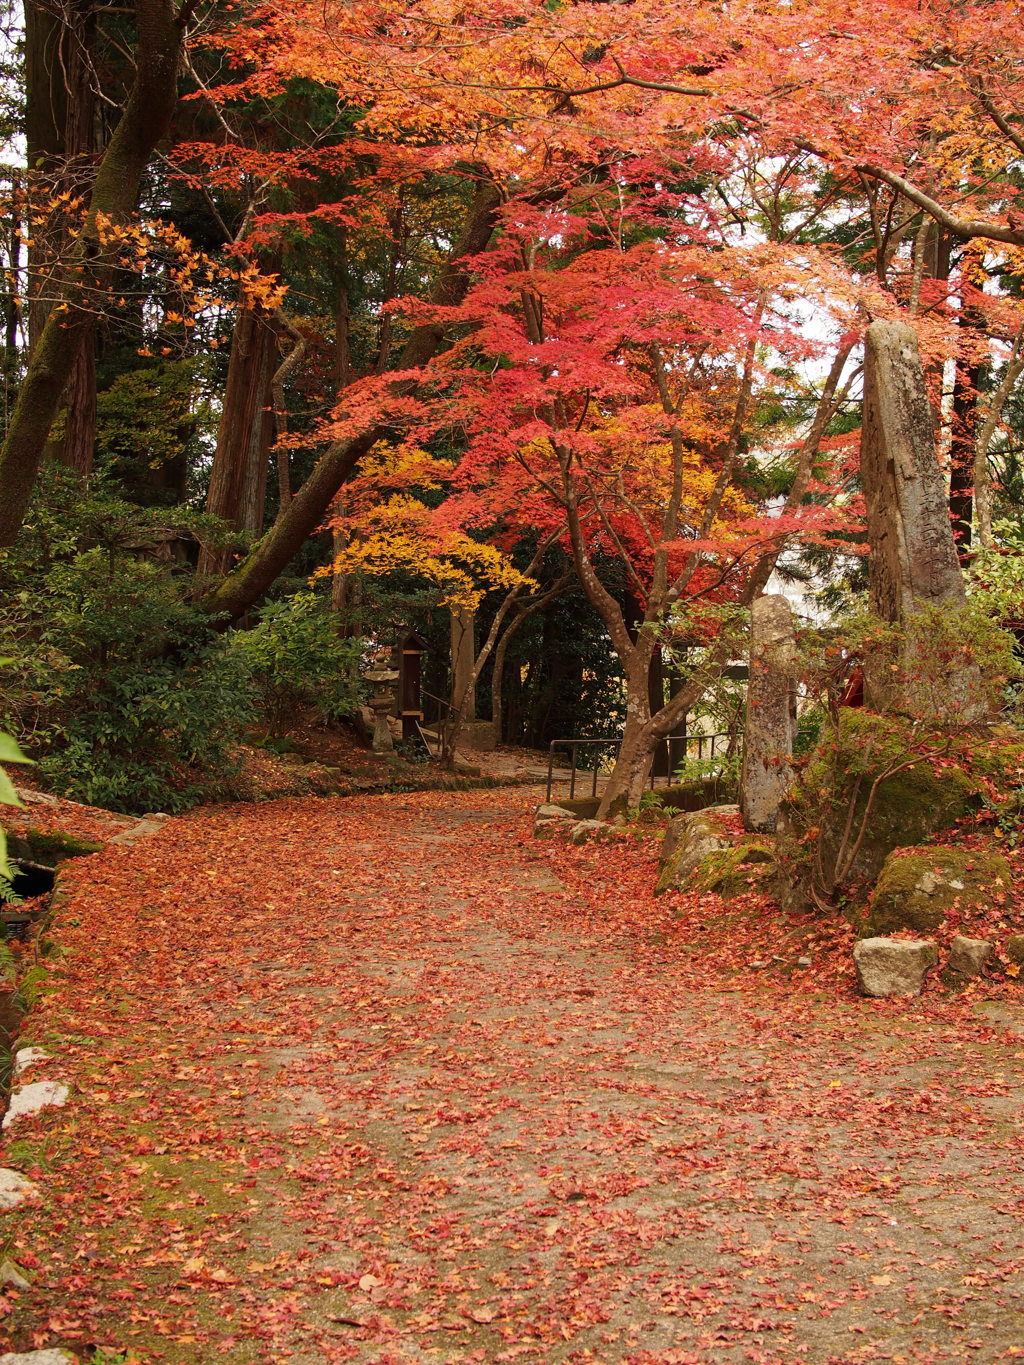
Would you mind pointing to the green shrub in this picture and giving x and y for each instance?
(296, 657)
(120, 686)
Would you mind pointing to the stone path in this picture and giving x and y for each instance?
(380, 1081)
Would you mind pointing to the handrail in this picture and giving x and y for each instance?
(616, 742)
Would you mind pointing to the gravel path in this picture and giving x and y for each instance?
(383, 1081)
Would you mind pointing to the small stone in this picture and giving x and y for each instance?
(29, 1099)
(48, 1357)
(14, 1189)
(803, 962)
(893, 966)
(28, 1056)
(969, 956)
(548, 818)
(140, 830)
(758, 964)
(11, 1273)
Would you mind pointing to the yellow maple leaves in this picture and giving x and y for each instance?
(390, 530)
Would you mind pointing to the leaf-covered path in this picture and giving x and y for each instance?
(386, 1081)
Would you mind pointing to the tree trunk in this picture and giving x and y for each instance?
(237, 593)
(238, 481)
(629, 778)
(60, 140)
(143, 122)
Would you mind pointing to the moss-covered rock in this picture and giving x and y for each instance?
(733, 871)
(855, 801)
(52, 848)
(689, 840)
(918, 887)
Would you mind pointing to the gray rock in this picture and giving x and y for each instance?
(688, 841)
(29, 1099)
(969, 956)
(11, 1273)
(142, 829)
(913, 557)
(478, 735)
(48, 1357)
(586, 830)
(893, 966)
(14, 1189)
(918, 887)
(28, 1056)
(549, 817)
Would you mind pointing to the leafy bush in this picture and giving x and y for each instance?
(122, 686)
(9, 753)
(296, 657)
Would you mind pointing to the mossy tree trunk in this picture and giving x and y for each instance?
(144, 120)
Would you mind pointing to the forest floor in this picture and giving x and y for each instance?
(385, 1080)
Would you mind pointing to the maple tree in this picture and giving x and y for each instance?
(421, 197)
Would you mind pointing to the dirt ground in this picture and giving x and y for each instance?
(383, 1080)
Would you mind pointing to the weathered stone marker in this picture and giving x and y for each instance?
(913, 561)
(768, 738)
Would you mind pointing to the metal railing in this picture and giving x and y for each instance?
(676, 748)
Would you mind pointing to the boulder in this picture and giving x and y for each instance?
(28, 1056)
(478, 735)
(1015, 949)
(689, 839)
(11, 1273)
(734, 870)
(893, 966)
(969, 956)
(918, 887)
(906, 809)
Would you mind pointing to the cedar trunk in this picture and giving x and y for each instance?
(238, 481)
(60, 118)
(143, 122)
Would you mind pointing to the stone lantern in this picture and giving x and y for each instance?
(382, 700)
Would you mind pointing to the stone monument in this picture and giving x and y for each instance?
(771, 713)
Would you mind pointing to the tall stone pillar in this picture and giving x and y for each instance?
(770, 727)
(913, 560)
(463, 657)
